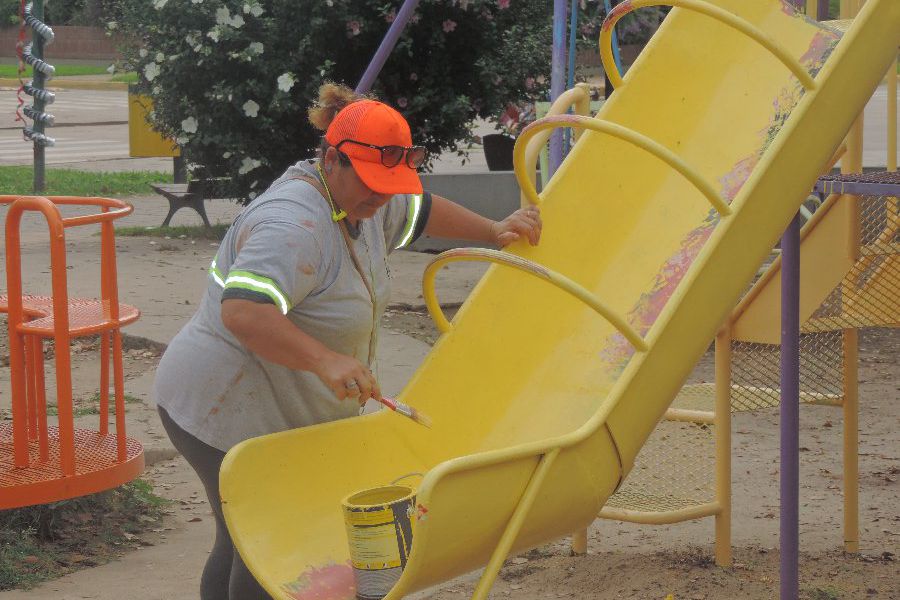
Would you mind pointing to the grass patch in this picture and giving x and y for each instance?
(127, 77)
(46, 541)
(91, 406)
(191, 232)
(823, 593)
(12, 71)
(71, 182)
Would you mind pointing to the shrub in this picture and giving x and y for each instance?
(64, 12)
(232, 79)
(634, 28)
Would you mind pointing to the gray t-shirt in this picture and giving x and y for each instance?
(283, 248)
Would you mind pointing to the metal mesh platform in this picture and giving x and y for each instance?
(86, 317)
(96, 468)
(876, 183)
(673, 470)
(676, 468)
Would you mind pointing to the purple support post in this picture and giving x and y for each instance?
(557, 77)
(387, 45)
(790, 410)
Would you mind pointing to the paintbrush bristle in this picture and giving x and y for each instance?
(419, 418)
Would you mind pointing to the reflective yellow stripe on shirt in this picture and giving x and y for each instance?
(257, 283)
(412, 217)
(216, 274)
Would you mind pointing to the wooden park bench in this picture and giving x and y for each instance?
(192, 195)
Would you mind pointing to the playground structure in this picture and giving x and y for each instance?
(850, 279)
(549, 413)
(41, 462)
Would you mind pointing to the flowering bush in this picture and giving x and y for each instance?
(232, 79)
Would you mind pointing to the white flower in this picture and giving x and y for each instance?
(213, 34)
(237, 21)
(142, 53)
(247, 165)
(189, 125)
(286, 82)
(255, 10)
(252, 195)
(160, 57)
(251, 108)
(159, 4)
(196, 1)
(255, 47)
(223, 17)
(226, 155)
(112, 25)
(151, 70)
(182, 140)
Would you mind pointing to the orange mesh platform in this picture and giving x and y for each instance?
(33, 306)
(96, 468)
(86, 317)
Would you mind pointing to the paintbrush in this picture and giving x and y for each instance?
(406, 410)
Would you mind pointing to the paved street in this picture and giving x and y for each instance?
(92, 125)
(93, 134)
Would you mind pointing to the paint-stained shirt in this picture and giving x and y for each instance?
(284, 248)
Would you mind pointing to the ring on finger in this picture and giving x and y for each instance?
(351, 384)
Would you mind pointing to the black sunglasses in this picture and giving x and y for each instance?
(391, 156)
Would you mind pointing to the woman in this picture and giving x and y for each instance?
(285, 334)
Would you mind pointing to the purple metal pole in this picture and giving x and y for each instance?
(557, 77)
(790, 410)
(387, 45)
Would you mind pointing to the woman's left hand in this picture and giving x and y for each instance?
(524, 222)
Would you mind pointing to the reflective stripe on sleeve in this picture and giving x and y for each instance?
(216, 274)
(260, 284)
(412, 217)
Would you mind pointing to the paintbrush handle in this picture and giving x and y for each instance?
(407, 411)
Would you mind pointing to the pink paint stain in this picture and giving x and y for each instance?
(650, 304)
(331, 582)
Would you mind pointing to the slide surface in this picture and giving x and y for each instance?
(538, 401)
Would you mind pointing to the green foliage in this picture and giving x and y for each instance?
(823, 593)
(9, 14)
(232, 79)
(634, 28)
(63, 182)
(12, 71)
(127, 77)
(64, 12)
(47, 540)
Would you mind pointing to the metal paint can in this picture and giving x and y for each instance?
(379, 525)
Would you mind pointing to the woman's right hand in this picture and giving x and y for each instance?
(348, 378)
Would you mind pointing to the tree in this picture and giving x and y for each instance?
(231, 80)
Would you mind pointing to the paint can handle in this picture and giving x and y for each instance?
(402, 477)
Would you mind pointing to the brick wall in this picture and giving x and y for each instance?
(71, 42)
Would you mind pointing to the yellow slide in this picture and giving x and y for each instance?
(565, 356)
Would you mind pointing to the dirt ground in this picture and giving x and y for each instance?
(636, 561)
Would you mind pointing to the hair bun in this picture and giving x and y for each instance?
(332, 98)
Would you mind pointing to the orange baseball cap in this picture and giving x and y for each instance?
(375, 123)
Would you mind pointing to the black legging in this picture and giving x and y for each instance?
(224, 577)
